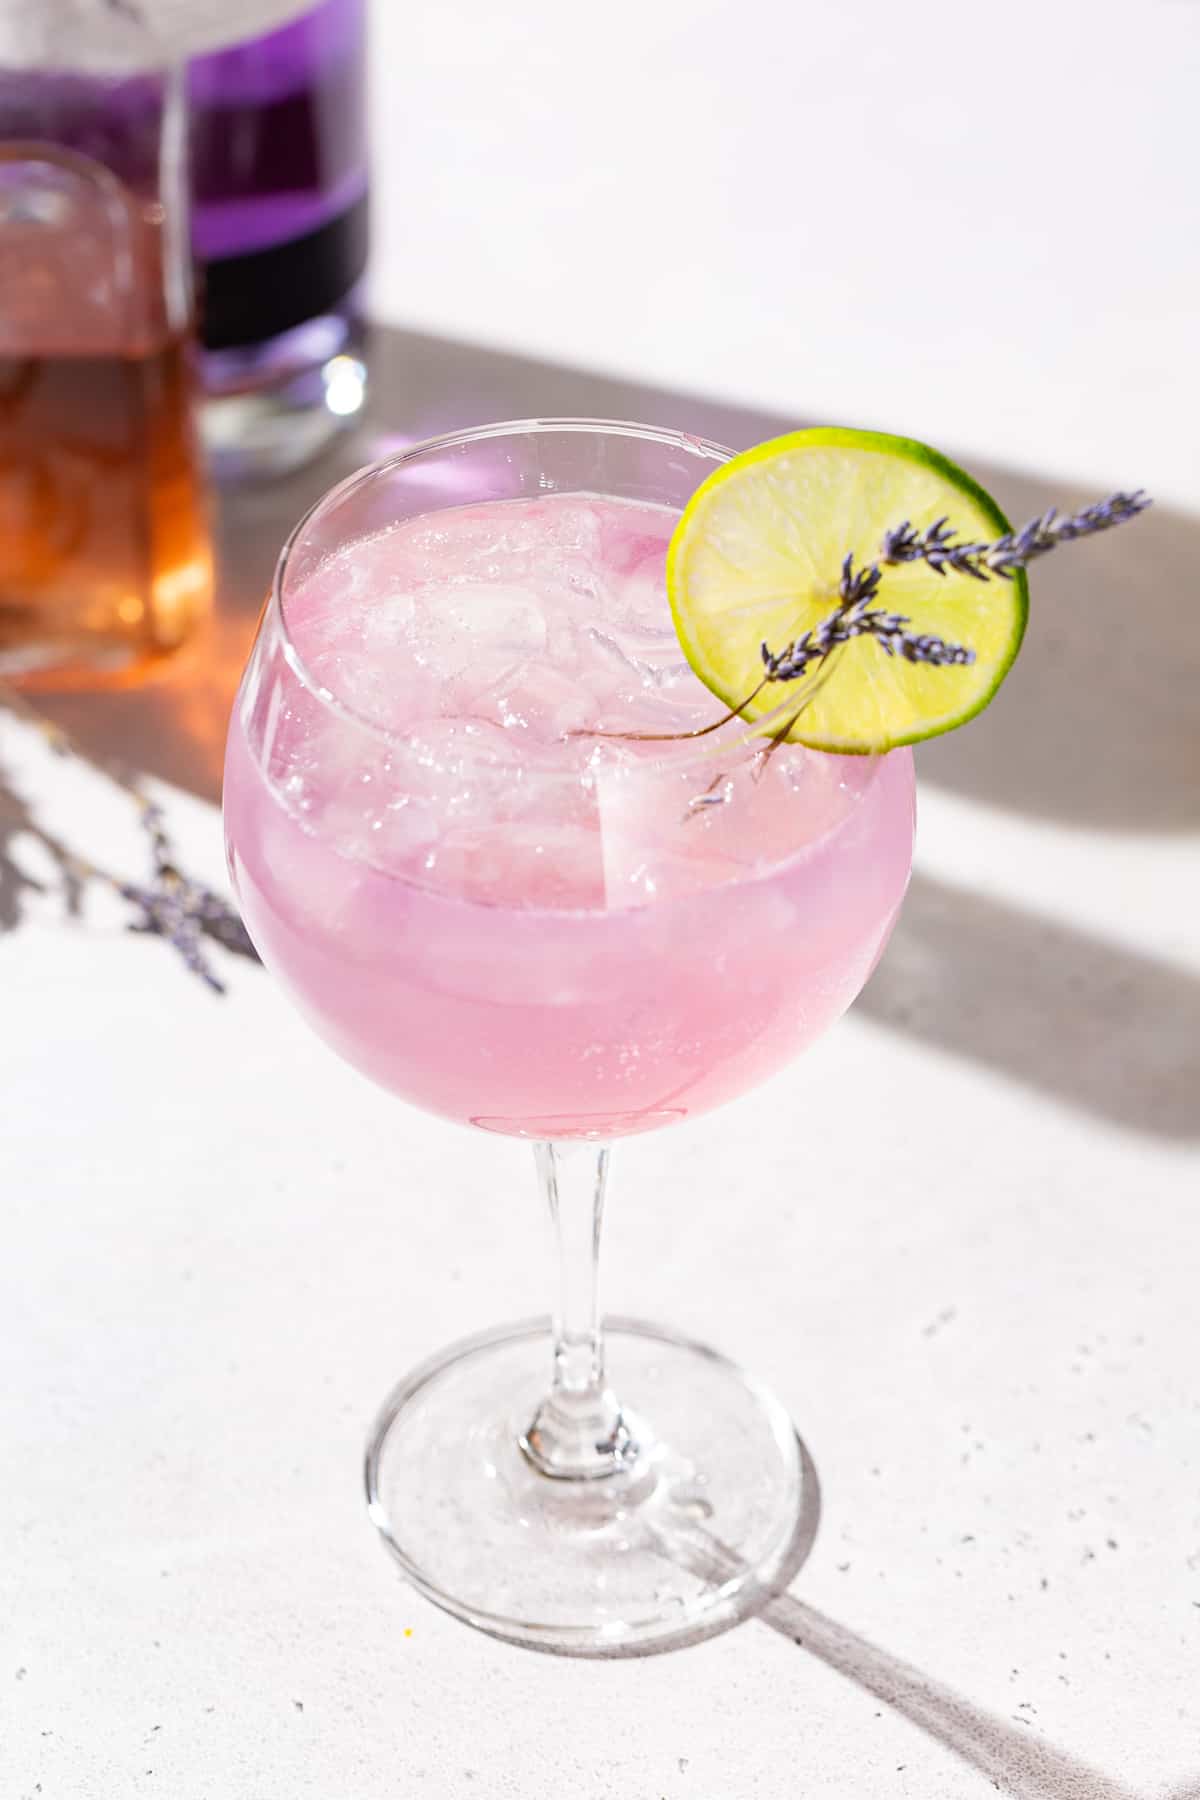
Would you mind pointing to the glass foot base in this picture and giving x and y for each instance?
(271, 408)
(714, 1515)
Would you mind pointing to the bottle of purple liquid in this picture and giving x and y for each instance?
(279, 231)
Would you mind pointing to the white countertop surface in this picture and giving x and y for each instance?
(220, 1247)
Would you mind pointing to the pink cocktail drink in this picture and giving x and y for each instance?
(485, 889)
(481, 828)
(517, 864)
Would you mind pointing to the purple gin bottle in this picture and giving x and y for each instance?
(279, 231)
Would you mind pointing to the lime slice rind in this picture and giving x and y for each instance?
(757, 556)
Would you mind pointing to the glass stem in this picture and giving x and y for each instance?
(577, 1433)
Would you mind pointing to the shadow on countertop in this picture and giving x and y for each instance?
(1097, 727)
(1098, 724)
(1096, 1026)
(1010, 1752)
(1016, 1759)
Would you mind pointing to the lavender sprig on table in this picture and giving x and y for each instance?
(170, 905)
(854, 616)
(181, 910)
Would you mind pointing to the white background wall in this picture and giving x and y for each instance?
(973, 224)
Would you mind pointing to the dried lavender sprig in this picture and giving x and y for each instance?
(858, 589)
(936, 547)
(168, 910)
(179, 909)
(174, 907)
(853, 617)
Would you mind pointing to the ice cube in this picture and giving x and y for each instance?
(462, 540)
(557, 704)
(639, 600)
(452, 746)
(382, 685)
(387, 619)
(524, 538)
(400, 835)
(657, 663)
(471, 693)
(302, 874)
(456, 623)
(565, 524)
(654, 846)
(610, 655)
(516, 864)
(672, 711)
(534, 697)
(470, 770)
